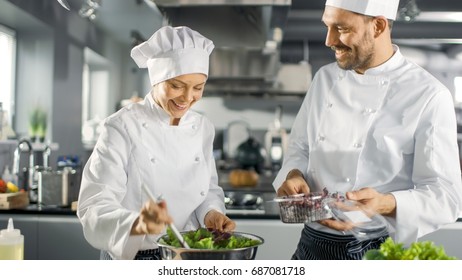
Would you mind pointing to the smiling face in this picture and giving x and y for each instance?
(178, 94)
(351, 36)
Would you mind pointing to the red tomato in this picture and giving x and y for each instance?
(2, 186)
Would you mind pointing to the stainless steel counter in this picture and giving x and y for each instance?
(56, 211)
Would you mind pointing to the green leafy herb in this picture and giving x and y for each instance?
(425, 250)
(38, 122)
(203, 238)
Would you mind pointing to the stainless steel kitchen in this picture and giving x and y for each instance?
(66, 66)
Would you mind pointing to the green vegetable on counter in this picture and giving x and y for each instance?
(425, 250)
(203, 238)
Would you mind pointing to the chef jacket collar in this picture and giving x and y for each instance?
(390, 65)
(163, 116)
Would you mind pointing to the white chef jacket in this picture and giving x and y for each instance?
(392, 128)
(137, 145)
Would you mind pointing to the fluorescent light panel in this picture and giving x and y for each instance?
(439, 17)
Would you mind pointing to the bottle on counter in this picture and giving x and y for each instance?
(7, 176)
(11, 243)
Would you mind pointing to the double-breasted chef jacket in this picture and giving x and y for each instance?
(392, 128)
(137, 145)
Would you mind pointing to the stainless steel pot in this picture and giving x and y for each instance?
(174, 253)
(243, 200)
(236, 132)
(58, 188)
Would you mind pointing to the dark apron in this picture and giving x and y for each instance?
(318, 245)
(153, 254)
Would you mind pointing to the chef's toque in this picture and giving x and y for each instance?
(386, 8)
(172, 52)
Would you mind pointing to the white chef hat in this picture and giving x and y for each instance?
(173, 51)
(386, 8)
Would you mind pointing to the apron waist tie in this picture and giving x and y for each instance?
(319, 245)
(151, 254)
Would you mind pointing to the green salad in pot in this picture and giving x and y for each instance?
(204, 238)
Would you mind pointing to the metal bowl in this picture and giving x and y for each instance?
(175, 253)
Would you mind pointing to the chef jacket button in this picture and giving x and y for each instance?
(369, 111)
(145, 125)
(194, 126)
(321, 138)
(153, 160)
(347, 179)
(357, 145)
(202, 193)
(384, 83)
(197, 159)
(329, 105)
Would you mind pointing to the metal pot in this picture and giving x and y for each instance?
(174, 253)
(249, 155)
(233, 136)
(243, 200)
(58, 188)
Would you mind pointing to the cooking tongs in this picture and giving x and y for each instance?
(172, 226)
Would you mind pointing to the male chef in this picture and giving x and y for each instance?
(378, 128)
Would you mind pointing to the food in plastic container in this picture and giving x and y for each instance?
(306, 207)
(364, 223)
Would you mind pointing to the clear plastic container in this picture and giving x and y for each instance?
(306, 208)
(365, 223)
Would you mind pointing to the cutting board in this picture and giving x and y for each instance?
(14, 200)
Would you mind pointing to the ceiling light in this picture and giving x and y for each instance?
(440, 17)
(89, 9)
(64, 4)
(427, 41)
(409, 12)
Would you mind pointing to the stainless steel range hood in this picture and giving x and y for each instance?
(247, 35)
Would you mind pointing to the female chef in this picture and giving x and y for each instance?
(158, 142)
